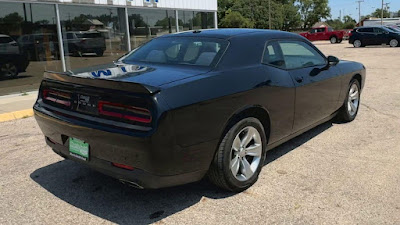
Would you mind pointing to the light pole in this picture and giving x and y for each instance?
(382, 14)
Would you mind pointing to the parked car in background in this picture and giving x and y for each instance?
(364, 36)
(11, 64)
(8, 45)
(347, 34)
(324, 33)
(80, 42)
(191, 104)
(39, 47)
(393, 28)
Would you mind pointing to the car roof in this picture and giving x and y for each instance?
(3, 35)
(227, 33)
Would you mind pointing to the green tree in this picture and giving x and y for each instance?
(284, 13)
(236, 20)
(378, 13)
(312, 11)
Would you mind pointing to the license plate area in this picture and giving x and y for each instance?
(78, 149)
(87, 104)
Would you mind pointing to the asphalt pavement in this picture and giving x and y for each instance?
(333, 174)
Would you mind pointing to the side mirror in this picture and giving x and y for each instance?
(332, 60)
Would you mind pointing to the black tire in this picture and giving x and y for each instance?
(333, 40)
(9, 70)
(343, 114)
(99, 52)
(340, 41)
(220, 173)
(358, 43)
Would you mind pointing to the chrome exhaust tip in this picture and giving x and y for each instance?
(131, 184)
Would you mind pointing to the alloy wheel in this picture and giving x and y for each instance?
(333, 40)
(353, 100)
(357, 43)
(9, 70)
(246, 152)
(393, 43)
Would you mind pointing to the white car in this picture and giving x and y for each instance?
(8, 45)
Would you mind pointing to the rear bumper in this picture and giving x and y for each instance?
(137, 177)
(157, 160)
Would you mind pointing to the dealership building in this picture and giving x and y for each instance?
(61, 35)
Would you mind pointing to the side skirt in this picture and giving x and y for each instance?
(285, 139)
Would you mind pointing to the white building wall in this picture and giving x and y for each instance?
(198, 5)
(209, 5)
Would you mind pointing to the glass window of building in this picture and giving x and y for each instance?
(145, 24)
(190, 20)
(28, 45)
(92, 35)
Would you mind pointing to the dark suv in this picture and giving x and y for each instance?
(80, 42)
(363, 36)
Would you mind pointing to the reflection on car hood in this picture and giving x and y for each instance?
(153, 75)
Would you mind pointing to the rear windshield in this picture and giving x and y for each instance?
(180, 51)
(88, 35)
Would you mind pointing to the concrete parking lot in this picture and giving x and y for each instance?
(333, 174)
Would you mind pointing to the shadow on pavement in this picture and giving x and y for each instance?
(105, 197)
(15, 78)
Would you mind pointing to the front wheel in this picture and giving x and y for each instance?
(240, 156)
(394, 43)
(333, 40)
(349, 110)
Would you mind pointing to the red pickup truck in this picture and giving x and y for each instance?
(324, 33)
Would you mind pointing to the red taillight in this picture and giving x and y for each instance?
(127, 112)
(122, 166)
(57, 97)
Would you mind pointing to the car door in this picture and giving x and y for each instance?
(367, 35)
(312, 35)
(317, 84)
(280, 93)
(379, 36)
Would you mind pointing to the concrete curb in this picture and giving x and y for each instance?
(16, 115)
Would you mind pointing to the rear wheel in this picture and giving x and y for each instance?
(340, 41)
(349, 110)
(394, 43)
(333, 40)
(240, 156)
(357, 44)
(8, 70)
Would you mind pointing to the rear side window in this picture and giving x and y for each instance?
(298, 54)
(273, 55)
(5, 40)
(180, 51)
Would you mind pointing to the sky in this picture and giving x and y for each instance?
(350, 7)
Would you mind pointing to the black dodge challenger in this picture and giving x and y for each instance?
(194, 104)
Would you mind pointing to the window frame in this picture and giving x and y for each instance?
(292, 40)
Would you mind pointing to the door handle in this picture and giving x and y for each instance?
(299, 79)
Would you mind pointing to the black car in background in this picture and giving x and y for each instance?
(39, 47)
(194, 104)
(364, 36)
(80, 42)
